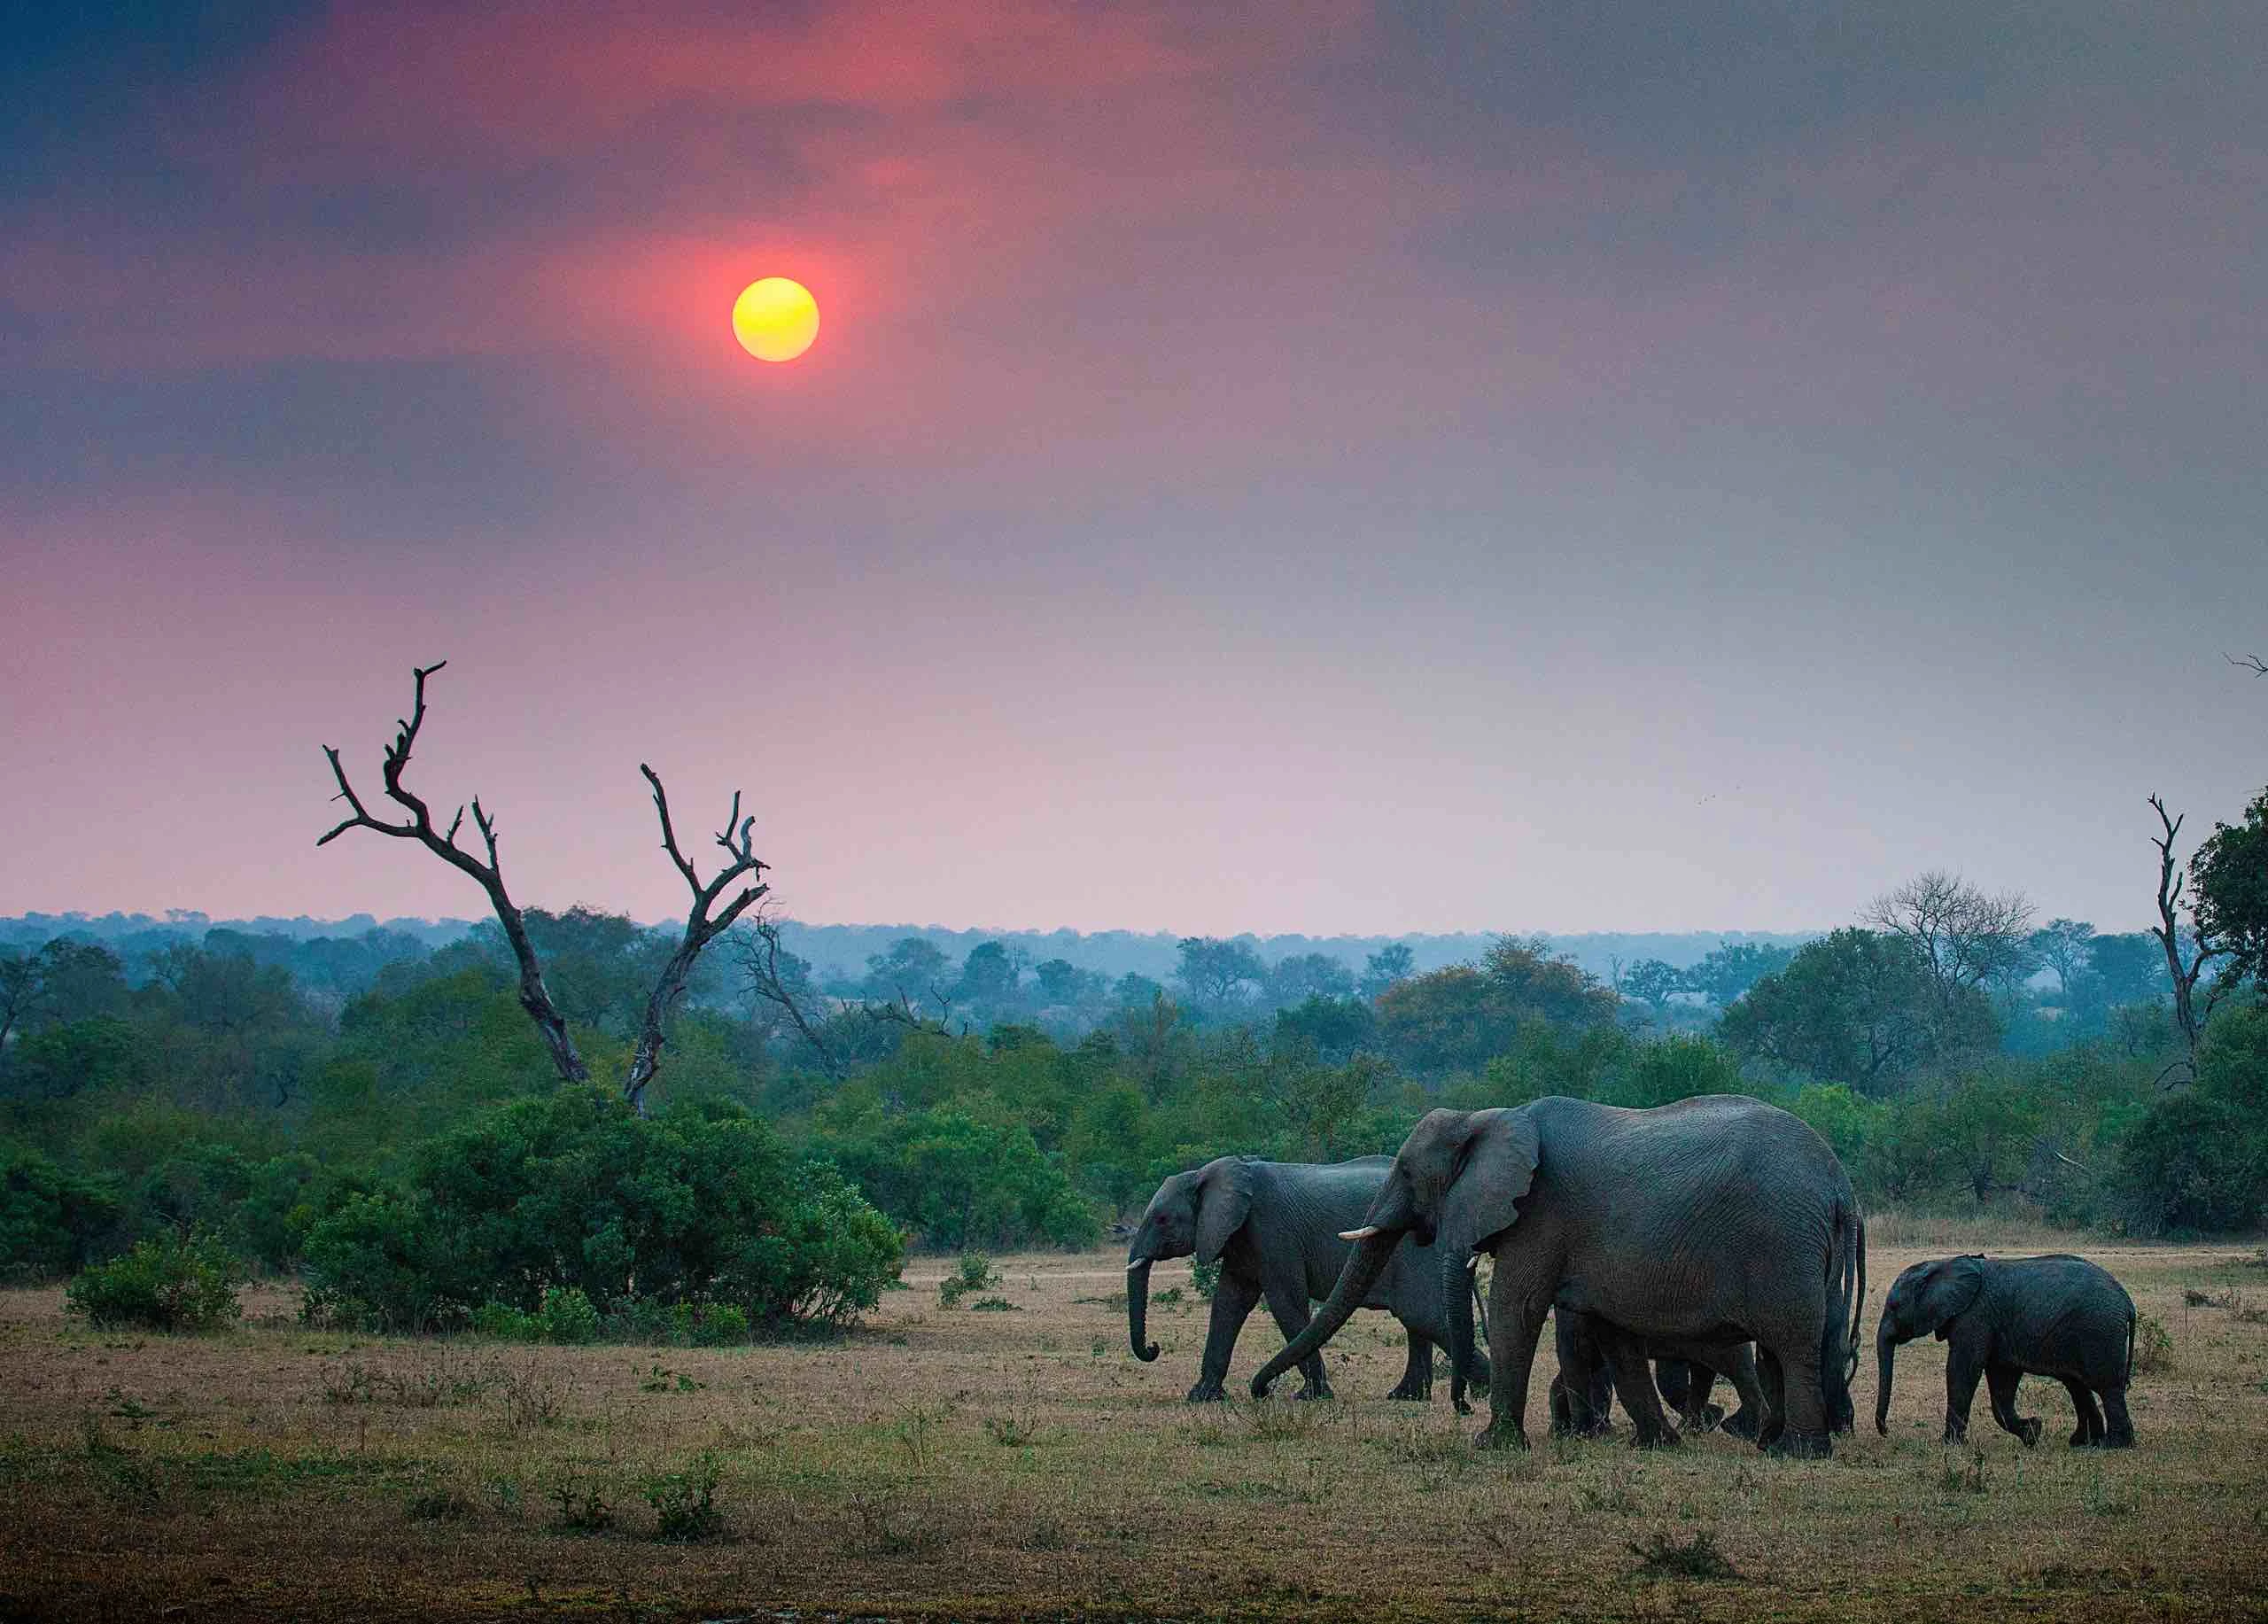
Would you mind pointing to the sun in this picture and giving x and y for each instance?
(775, 319)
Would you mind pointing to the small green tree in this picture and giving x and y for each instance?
(173, 1283)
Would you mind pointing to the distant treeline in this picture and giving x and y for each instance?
(839, 954)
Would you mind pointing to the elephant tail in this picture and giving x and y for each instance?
(1846, 1291)
(2130, 1344)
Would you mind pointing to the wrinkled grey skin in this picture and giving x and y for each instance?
(1713, 1220)
(2007, 1318)
(1274, 1228)
(1582, 1393)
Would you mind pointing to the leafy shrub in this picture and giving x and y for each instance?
(573, 1192)
(957, 1177)
(568, 1316)
(2194, 1163)
(51, 1222)
(720, 1325)
(1697, 1557)
(2152, 1345)
(507, 1324)
(174, 1283)
(973, 1272)
(1205, 1279)
(685, 1503)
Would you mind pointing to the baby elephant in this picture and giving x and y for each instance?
(2007, 1318)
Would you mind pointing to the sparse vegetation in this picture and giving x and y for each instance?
(1663, 1556)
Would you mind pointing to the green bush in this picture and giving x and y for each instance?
(573, 1192)
(174, 1283)
(506, 1324)
(973, 1272)
(569, 1317)
(720, 1325)
(53, 1221)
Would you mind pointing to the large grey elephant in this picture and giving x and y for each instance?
(1716, 1219)
(2007, 1318)
(1683, 1373)
(1274, 1229)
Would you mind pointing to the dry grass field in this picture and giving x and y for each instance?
(981, 1463)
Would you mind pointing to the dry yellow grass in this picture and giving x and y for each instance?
(988, 1463)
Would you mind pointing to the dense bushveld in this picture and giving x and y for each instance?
(243, 1088)
(1009, 1457)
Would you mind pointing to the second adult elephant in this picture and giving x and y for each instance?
(1716, 1219)
(1274, 1229)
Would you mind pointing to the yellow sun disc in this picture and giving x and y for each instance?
(775, 319)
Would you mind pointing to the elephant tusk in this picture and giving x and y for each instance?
(1471, 1261)
(1364, 1233)
(1137, 1264)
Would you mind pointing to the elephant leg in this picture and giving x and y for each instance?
(1748, 1420)
(1772, 1385)
(1418, 1375)
(2002, 1381)
(1634, 1384)
(1691, 1401)
(2089, 1431)
(1288, 1304)
(1582, 1394)
(1515, 1314)
(2119, 1428)
(1962, 1368)
(1234, 1301)
(1802, 1407)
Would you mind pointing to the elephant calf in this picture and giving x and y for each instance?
(2007, 1318)
(1273, 1227)
(1581, 1394)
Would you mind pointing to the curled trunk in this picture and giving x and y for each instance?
(1360, 1272)
(1885, 1351)
(1137, 1310)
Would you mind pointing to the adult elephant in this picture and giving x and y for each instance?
(1274, 1229)
(1716, 1219)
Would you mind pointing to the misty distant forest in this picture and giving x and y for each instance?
(371, 1106)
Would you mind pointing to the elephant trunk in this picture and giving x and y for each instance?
(1137, 1310)
(1456, 1308)
(1356, 1276)
(1885, 1352)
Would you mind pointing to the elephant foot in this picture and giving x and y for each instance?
(1740, 1423)
(1207, 1392)
(2119, 1441)
(1313, 1391)
(2028, 1429)
(1804, 1446)
(1413, 1392)
(2085, 1440)
(1644, 1437)
(1705, 1420)
(1499, 1435)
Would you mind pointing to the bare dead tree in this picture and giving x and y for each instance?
(737, 839)
(535, 997)
(2184, 966)
(760, 958)
(2252, 663)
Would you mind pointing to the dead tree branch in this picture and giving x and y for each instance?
(2184, 968)
(534, 997)
(2252, 663)
(767, 982)
(700, 926)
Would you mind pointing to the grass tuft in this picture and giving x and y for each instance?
(1661, 1556)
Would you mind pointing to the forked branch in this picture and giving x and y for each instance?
(701, 927)
(534, 997)
(2185, 969)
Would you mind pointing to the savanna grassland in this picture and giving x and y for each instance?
(1009, 1461)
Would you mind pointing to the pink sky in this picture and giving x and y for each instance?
(1334, 469)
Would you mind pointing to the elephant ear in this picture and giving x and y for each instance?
(1954, 1285)
(1224, 1203)
(1493, 1170)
